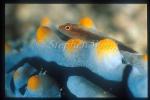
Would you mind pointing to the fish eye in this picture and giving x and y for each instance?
(67, 27)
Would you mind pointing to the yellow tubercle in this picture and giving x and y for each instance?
(7, 48)
(45, 21)
(72, 45)
(145, 58)
(34, 82)
(42, 33)
(16, 75)
(106, 47)
(86, 22)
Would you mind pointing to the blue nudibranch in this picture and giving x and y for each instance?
(63, 63)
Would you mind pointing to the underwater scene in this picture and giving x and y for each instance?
(76, 51)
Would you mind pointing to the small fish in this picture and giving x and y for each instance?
(75, 31)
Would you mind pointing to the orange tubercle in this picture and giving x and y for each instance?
(45, 21)
(72, 45)
(16, 75)
(7, 48)
(34, 82)
(42, 33)
(145, 58)
(86, 22)
(105, 47)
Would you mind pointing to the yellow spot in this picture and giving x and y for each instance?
(145, 58)
(33, 82)
(86, 22)
(106, 47)
(45, 21)
(42, 34)
(7, 48)
(16, 75)
(72, 45)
